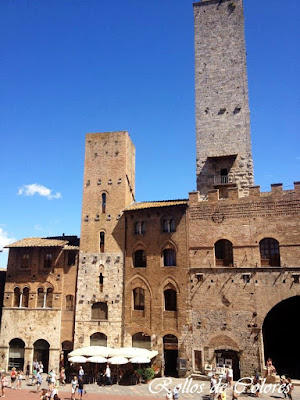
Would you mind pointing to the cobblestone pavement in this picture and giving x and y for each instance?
(139, 392)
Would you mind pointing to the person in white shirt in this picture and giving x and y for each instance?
(108, 375)
(80, 372)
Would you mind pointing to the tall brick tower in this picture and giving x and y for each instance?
(109, 180)
(224, 156)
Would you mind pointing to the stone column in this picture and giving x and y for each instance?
(54, 357)
(4, 352)
(28, 358)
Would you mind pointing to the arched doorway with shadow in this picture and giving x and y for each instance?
(16, 354)
(171, 355)
(281, 337)
(41, 352)
(66, 347)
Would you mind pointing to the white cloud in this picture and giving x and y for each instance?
(35, 188)
(5, 239)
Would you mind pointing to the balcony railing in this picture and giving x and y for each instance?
(223, 179)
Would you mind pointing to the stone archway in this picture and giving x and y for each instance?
(281, 337)
(16, 354)
(41, 352)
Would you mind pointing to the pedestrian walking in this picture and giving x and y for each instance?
(27, 373)
(108, 375)
(176, 393)
(13, 377)
(62, 376)
(19, 380)
(229, 376)
(213, 383)
(39, 380)
(290, 388)
(74, 385)
(80, 388)
(4, 384)
(80, 372)
(283, 384)
(169, 394)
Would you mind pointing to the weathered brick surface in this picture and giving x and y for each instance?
(154, 320)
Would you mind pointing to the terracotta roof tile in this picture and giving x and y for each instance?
(37, 242)
(154, 204)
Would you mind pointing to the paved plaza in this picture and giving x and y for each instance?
(141, 392)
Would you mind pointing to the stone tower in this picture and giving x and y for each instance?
(223, 145)
(109, 180)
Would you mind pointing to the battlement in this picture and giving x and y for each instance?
(255, 193)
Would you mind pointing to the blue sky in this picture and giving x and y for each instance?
(69, 67)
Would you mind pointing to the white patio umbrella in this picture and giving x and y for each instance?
(118, 361)
(140, 360)
(97, 360)
(78, 359)
(91, 351)
(131, 352)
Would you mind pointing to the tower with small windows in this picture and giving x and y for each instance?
(109, 180)
(223, 145)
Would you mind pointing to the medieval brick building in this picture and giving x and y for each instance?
(210, 279)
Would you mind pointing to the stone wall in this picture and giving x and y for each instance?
(229, 304)
(221, 86)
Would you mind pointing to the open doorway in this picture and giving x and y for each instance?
(228, 358)
(41, 353)
(281, 337)
(171, 355)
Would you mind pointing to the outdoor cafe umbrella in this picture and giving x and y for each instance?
(131, 352)
(118, 361)
(97, 360)
(140, 360)
(91, 351)
(78, 359)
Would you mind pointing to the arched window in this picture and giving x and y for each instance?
(49, 298)
(48, 261)
(40, 298)
(138, 299)
(139, 259)
(169, 225)
(224, 253)
(25, 297)
(69, 302)
(140, 228)
(269, 252)
(98, 339)
(170, 296)
(25, 261)
(141, 340)
(99, 311)
(103, 203)
(102, 241)
(17, 297)
(169, 257)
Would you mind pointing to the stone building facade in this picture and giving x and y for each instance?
(208, 280)
(39, 302)
(156, 280)
(109, 181)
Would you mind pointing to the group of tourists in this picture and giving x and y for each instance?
(173, 394)
(16, 378)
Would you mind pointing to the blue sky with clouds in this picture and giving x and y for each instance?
(72, 67)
